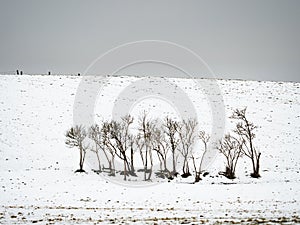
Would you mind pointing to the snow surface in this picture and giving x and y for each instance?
(38, 183)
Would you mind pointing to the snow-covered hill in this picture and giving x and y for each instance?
(38, 183)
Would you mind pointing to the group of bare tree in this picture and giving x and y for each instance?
(240, 143)
(170, 138)
(115, 139)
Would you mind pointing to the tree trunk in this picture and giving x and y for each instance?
(255, 173)
(174, 163)
(197, 177)
(107, 158)
(124, 170)
(113, 165)
(253, 163)
(150, 173)
(80, 158)
(146, 165)
(183, 166)
(257, 163)
(165, 164)
(109, 166)
(151, 165)
(187, 167)
(99, 163)
(160, 161)
(126, 162)
(131, 159)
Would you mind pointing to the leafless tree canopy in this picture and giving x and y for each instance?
(231, 148)
(204, 137)
(74, 138)
(161, 146)
(96, 134)
(121, 141)
(245, 129)
(144, 142)
(171, 130)
(187, 136)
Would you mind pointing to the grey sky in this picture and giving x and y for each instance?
(238, 39)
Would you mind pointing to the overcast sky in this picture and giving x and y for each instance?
(257, 40)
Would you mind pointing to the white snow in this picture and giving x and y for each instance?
(38, 183)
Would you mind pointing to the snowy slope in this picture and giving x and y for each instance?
(38, 183)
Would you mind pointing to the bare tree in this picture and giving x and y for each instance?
(187, 135)
(122, 142)
(231, 148)
(161, 147)
(74, 138)
(96, 134)
(245, 129)
(171, 130)
(205, 139)
(108, 146)
(144, 142)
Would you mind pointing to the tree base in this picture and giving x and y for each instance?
(80, 171)
(162, 174)
(230, 176)
(174, 174)
(186, 175)
(124, 173)
(255, 175)
(197, 179)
